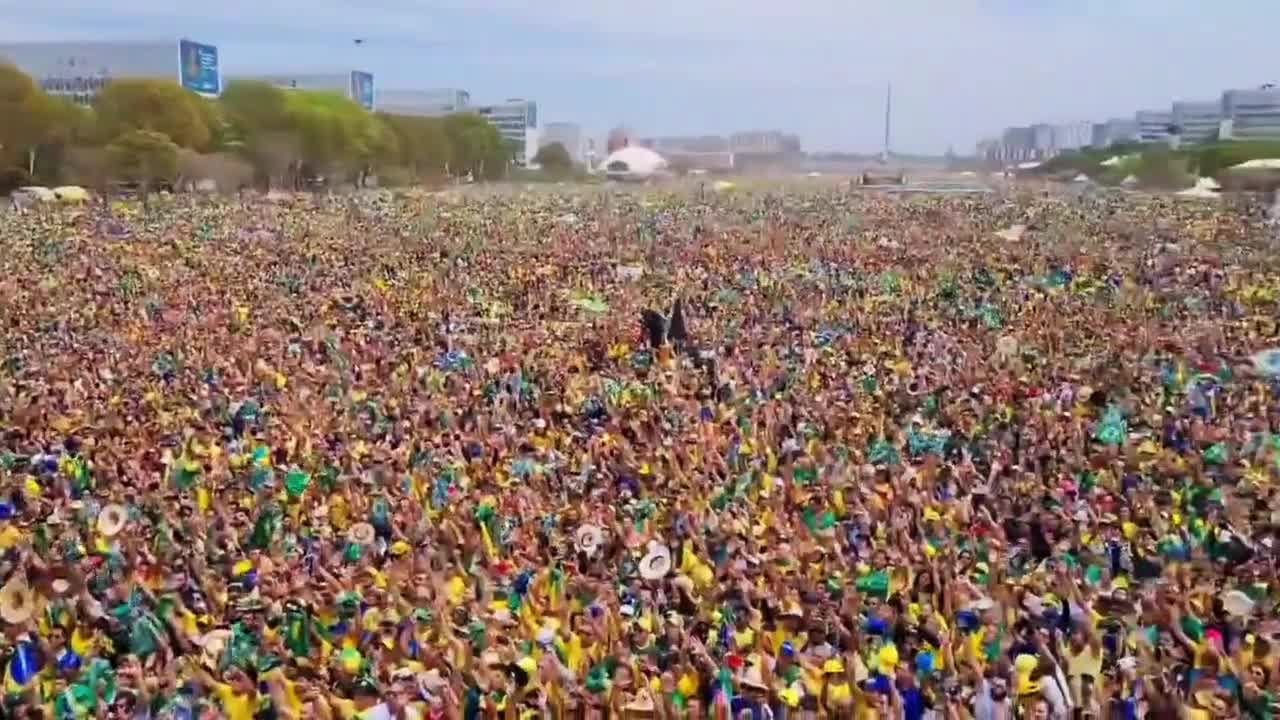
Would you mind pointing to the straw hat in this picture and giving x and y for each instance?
(641, 703)
(657, 563)
(362, 534)
(112, 519)
(753, 678)
(17, 602)
(588, 539)
(1237, 603)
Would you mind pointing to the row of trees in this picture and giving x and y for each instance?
(154, 131)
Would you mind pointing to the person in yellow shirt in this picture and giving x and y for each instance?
(238, 696)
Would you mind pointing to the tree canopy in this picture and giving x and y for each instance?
(554, 157)
(27, 116)
(162, 106)
(283, 136)
(143, 156)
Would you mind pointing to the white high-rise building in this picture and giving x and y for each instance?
(1197, 121)
(1252, 114)
(517, 122)
(424, 103)
(1153, 125)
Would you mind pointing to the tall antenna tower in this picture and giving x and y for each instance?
(888, 110)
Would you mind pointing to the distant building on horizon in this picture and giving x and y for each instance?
(434, 102)
(1196, 121)
(567, 134)
(1252, 114)
(1154, 125)
(355, 85)
(79, 70)
(619, 138)
(1113, 131)
(763, 142)
(516, 120)
(1071, 136)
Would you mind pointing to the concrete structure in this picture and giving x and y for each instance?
(688, 144)
(1197, 121)
(1115, 130)
(79, 70)
(517, 122)
(709, 153)
(567, 134)
(1252, 114)
(1017, 144)
(1041, 141)
(1071, 136)
(1153, 125)
(424, 103)
(344, 83)
(988, 150)
(763, 142)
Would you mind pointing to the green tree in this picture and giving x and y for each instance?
(145, 157)
(554, 158)
(27, 116)
(335, 132)
(475, 147)
(161, 106)
(423, 145)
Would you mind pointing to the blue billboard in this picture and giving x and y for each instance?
(362, 88)
(198, 67)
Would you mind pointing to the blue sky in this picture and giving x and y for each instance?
(961, 69)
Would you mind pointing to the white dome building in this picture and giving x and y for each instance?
(633, 164)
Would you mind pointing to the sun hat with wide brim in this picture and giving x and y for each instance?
(588, 539)
(657, 563)
(17, 602)
(112, 519)
(362, 534)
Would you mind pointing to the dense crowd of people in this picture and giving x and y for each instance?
(566, 455)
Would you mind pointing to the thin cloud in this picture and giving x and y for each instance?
(961, 69)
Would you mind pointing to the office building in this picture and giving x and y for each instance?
(690, 143)
(1042, 141)
(1154, 125)
(763, 142)
(1113, 131)
(709, 153)
(424, 103)
(80, 70)
(1252, 114)
(568, 135)
(1017, 144)
(1071, 136)
(988, 150)
(355, 85)
(516, 121)
(1197, 122)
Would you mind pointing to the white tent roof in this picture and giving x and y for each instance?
(1204, 188)
(1259, 164)
(634, 161)
(1113, 160)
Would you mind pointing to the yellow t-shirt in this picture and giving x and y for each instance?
(236, 706)
(1085, 662)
